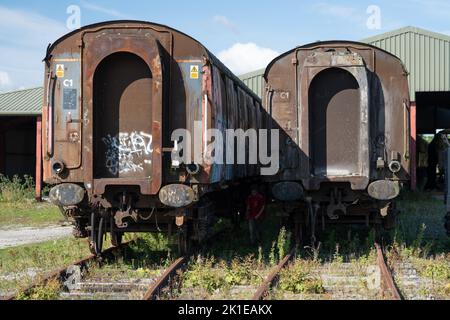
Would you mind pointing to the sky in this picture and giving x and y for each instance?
(245, 35)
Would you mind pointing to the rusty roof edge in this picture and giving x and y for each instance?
(327, 42)
(104, 23)
(212, 57)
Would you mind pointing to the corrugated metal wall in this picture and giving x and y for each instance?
(255, 81)
(425, 54)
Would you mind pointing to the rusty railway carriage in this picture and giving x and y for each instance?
(343, 108)
(115, 91)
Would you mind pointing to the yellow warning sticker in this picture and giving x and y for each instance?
(194, 72)
(60, 70)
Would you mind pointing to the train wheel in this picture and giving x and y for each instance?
(100, 235)
(97, 234)
(184, 242)
(116, 238)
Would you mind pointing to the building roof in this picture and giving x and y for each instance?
(404, 30)
(21, 103)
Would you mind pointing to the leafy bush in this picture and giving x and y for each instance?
(16, 189)
(209, 274)
(296, 278)
(201, 274)
(438, 269)
(242, 272)
(48, 292)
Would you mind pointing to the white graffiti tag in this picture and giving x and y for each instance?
(128, 152)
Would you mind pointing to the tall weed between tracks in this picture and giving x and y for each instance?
(48, 292)
(297, 278)
(212, 274)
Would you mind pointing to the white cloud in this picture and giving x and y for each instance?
(5, 81)
(28, 29)
(246, 57)
(224, 21)
(24, 37)
(338, 11)
(107, 11)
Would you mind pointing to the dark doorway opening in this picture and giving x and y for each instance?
(433, 115)
(18, 146)
(335, 108)
(122, 117)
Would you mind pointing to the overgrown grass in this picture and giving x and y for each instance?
(420, 239)
(212, 274)
(421, 223)
(19, 208)
(235, 241)
(29, 214)
(20, 265)
(48, 292)
(146, 257)
(16, 189)
(298, 278)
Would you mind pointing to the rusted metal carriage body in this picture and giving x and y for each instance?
(115, 92)
(343, 108)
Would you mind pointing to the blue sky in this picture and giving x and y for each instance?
(244, 34)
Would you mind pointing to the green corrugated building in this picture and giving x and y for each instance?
(20, 133)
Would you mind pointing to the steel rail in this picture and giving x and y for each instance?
(265, 286)
(60, 273)
(387, 280)
(153, 292)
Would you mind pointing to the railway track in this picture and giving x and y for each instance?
(340, 284)
(164, 283)
(127, 286)
(62, 273)
(388, 287)
(165, 279)
(343, 285)
(104, 287)
(263, 289)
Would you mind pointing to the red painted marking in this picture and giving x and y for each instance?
(38, 158)
(413, 146)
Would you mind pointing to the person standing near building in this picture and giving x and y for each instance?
(255, 209)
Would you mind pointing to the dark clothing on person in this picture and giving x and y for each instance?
(432, 164)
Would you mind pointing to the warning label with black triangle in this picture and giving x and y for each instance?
(60, 70)
(194, 72)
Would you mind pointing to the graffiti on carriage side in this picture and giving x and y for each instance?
(128, 152)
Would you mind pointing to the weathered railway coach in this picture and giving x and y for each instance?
(115, 92)
(344, 110)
